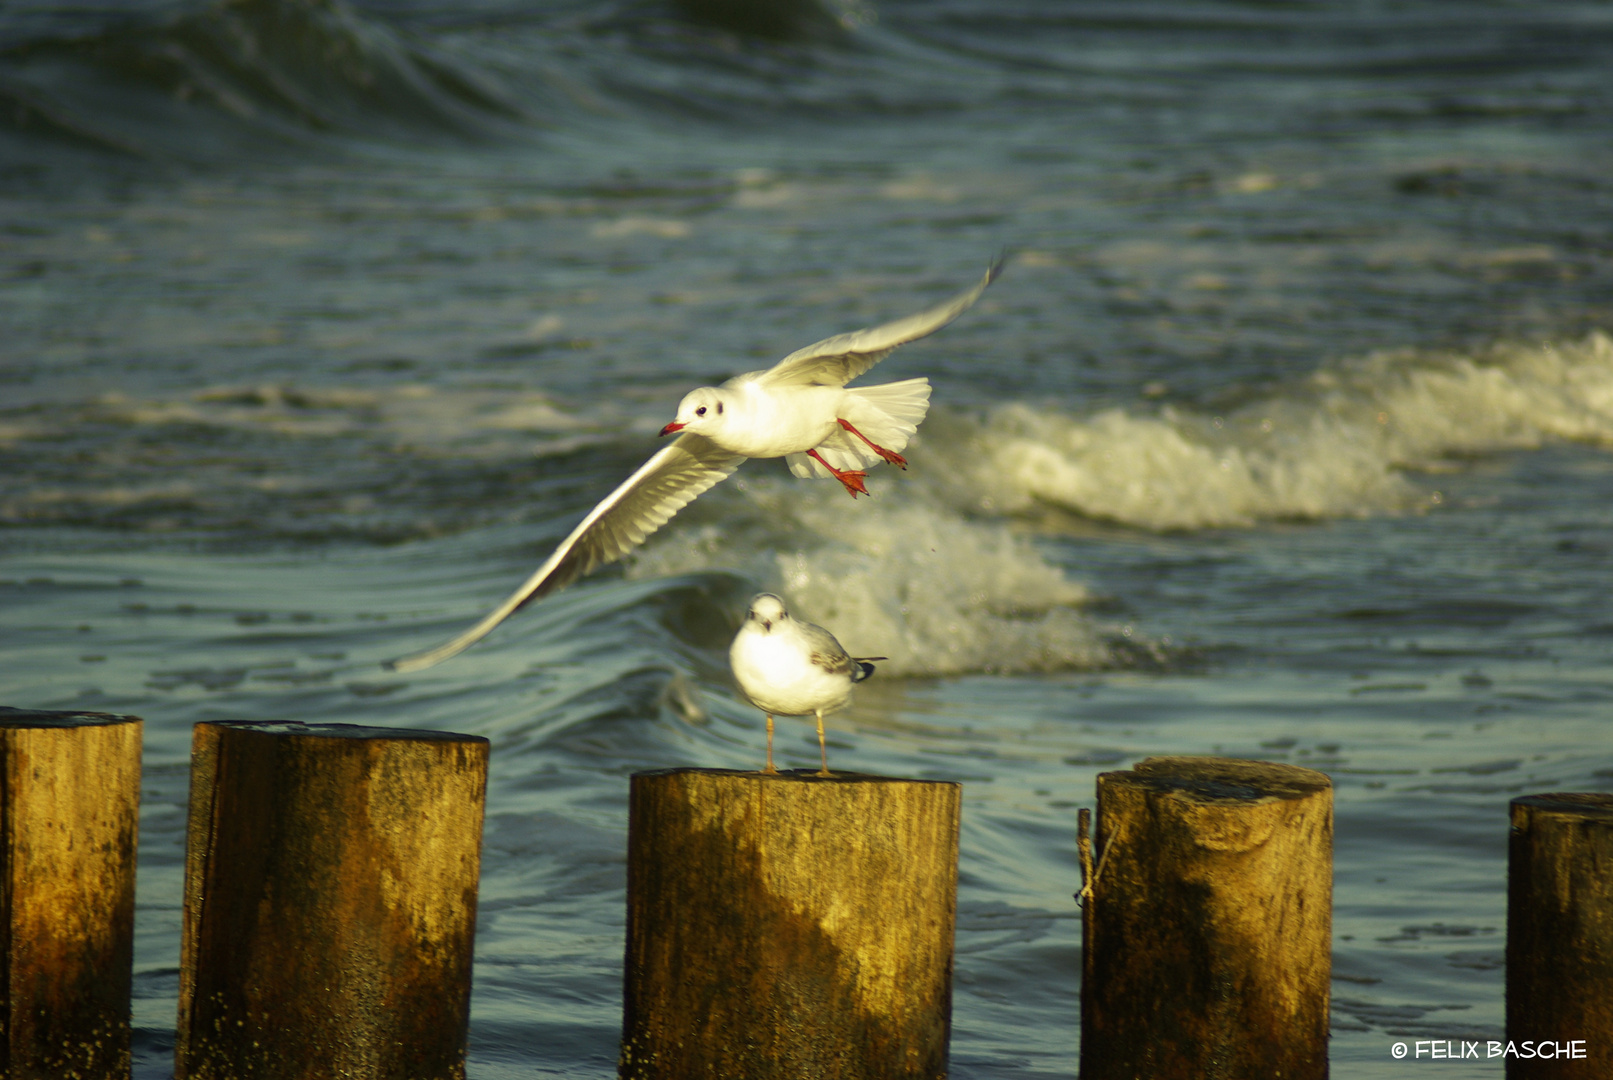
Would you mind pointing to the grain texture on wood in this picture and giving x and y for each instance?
(789, 925)
(1208, 927)
(69, 816)
(331, 874)
(1560, 936)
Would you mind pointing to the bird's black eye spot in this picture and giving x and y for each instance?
(719, 408)
(700, 411)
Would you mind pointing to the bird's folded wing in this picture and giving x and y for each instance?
(665, 484)
(837, 360)
(825, 652)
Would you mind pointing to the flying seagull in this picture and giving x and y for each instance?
(799, 409)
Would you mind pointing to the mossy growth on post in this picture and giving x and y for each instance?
(69, 820)
(1207, 926)
(789, 925)
(331, 876)
(1560, 936)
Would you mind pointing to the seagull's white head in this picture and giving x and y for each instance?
(766, 611)
(703, 411)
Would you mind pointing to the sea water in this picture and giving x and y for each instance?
(1285, 433)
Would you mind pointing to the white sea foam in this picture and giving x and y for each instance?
(898, 577)
(411, 413)
(1337, 444)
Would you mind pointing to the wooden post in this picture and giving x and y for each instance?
(1560, 937)
(69, 814)
(1208, 923)
(789, 925)
(330, 902)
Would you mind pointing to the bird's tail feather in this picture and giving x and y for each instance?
(901, 407)
(887, 414)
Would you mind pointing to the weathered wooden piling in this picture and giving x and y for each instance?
(789, 925)
(1560, 937)
(69, 817)
(1207, 927)
(330, 902)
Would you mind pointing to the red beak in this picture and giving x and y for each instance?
(670, 428)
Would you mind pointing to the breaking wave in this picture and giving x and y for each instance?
(1342, 443)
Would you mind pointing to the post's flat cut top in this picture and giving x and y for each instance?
(795, 776)
(343, 731)
(48, 718)
(1219, 779)
(1597, 805)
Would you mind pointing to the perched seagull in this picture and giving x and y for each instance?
(791, 667)
(799, 409)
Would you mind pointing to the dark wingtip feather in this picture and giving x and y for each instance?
(995, 270)
(864, 668)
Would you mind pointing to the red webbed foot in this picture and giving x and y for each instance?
(890, 457)
(852, 480)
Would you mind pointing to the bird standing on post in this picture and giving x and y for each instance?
(800, 409)
(791, 667)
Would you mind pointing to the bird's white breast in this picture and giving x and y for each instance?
(775, 671)
(771, 421)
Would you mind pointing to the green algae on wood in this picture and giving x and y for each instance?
(789, 925)
(1207, 929)
(331, 877)
(69, 820)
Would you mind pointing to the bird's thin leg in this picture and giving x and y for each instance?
(852, 480)
(770, 768)
(823, 747)
(891, 457)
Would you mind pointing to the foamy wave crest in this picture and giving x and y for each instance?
(898, 577)
(1338, 444)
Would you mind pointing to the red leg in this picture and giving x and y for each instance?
(852, 480)
(770, 768)
(891, 457)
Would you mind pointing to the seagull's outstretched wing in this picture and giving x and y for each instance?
(665, 484)
(836, 361)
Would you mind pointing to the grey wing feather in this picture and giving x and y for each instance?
(837, 360)
(644, 502)
(826, 651)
